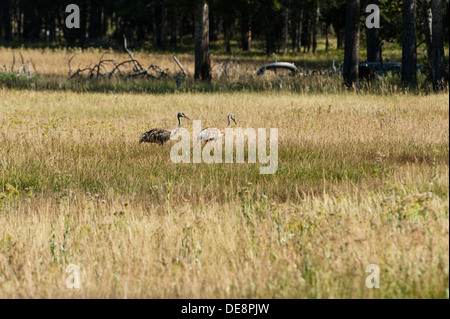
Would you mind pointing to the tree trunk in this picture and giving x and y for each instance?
(428, 30)
(5, 18)
(19, 22)
(227, 31)
(285, 30)
(59, 22)
(94, 20)
(227, 25)
(293, 33)
(213, 30)
(437, 46)
(249, 38)
(160, 25)
(409, 43)
(340, 39)
(31, 22)
(173, 33)
(352, 32)
(180, 28)
(164, 26)
(156, 34)
(299, 35)
(246, 33)
(270, 42)
(308, 39)
(202, 55)
(373, 41)
(424, 18)
(315, 27)
(52, 25)
(307, 35)
(270, 38)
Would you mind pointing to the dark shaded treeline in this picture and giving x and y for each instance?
(419, 19)
(283, 25)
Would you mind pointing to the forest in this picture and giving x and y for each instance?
(261, 26)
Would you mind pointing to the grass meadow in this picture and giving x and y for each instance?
(362, 179)
(50, 71)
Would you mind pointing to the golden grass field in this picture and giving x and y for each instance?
(362, 179)
(53, 62)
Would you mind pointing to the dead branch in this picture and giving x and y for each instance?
(99, 66)
(80, 71)
(137, 65)
(223, 67)
(179, 76)
(29, 68)
(14, 61)
(70, 60)
(34, 67)
(21, 58)
(95, 70)
(116, 68)
(179, 64)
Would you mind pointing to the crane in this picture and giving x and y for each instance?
(162, 135)
(214, 132)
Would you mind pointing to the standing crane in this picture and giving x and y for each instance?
(162, 135)
(214, 132)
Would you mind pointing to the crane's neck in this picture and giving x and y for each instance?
(179, 121)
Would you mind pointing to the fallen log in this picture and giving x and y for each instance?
(179, 65)
(278, 65)
(137, 66)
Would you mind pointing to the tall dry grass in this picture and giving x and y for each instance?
(362, 179)
(54, 62)
(50, 71)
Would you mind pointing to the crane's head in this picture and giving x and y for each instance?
(231, 117)
(181, 114)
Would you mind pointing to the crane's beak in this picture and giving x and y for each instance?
(186, 117)
(234, 120)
